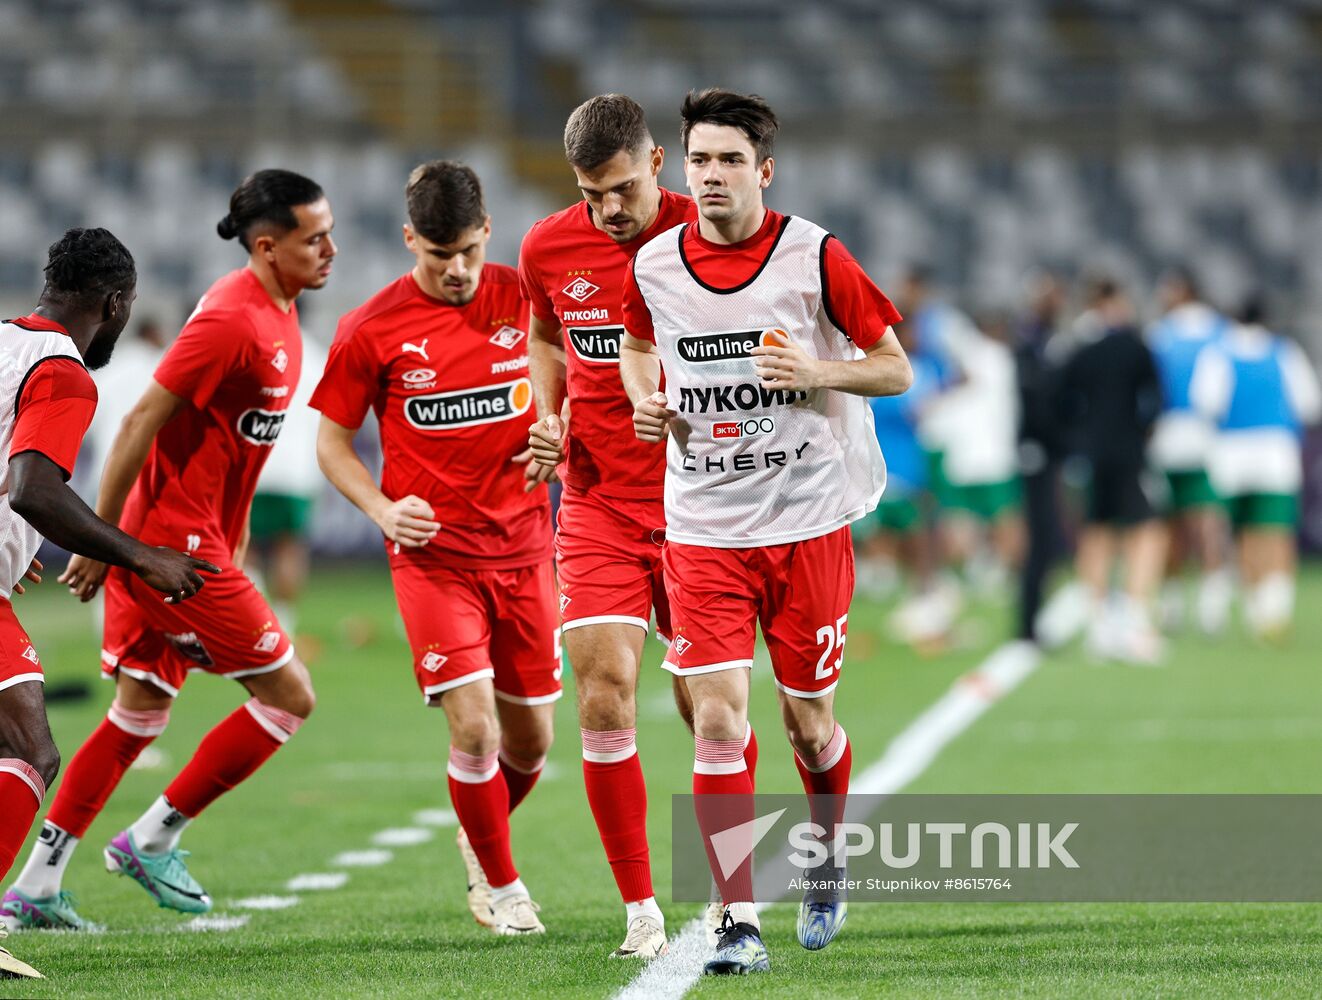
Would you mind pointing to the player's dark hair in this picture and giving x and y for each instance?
(1183, 276)
(747, 112)
(85, 265)
(602, 126)
(444, 200)
(267, 198)
(1254, 310)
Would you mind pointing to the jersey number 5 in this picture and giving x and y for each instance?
(834, 638)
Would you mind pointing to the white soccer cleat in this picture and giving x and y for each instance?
(516, 915)
(479, 889)
(646, 939)
(711, 922)
(11, 967)
(1064, 617)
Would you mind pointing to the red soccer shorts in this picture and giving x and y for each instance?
(227, 629)
(18, 657)
(467, 624)
(608, 556)
(800, 592)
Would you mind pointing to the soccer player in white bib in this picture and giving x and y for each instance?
(770, 337)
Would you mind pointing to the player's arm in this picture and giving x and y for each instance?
(128, 453)
(408, 522)
(39, 494)
(640, 371)
(547, 370)
(883, 371)
(640, 365)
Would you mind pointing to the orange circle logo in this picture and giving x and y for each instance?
(774, 337)
(521, 395)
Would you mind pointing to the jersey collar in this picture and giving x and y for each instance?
(35, 321)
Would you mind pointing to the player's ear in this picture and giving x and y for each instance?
(264, 245)
(766, 170)
(410, 240)
(486, 228)
(112, 305)
(658, 159)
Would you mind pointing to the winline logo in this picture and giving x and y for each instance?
(486, 404)
(712, 348)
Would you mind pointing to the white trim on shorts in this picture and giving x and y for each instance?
(808, 694)
(541, 699)
(22, 679)
(138, 675)
(642, 623)
(444, 686)
(707, 668)
(285, 657)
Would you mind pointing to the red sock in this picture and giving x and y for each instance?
(617, 795)
(242, 742)
(750, 756)
(21, 793)
(724, 798)
(482, 803)
(520, 775)
(100, 762)
(827, 774)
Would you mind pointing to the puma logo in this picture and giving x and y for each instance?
(418, 348)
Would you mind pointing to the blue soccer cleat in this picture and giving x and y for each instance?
(739, 951)
(823, 911)
(164, 876)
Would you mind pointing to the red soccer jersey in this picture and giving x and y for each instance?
(449, 385)
(235, 364)
(573, 274)
(857, 306)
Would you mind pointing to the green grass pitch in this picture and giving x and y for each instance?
(1227, 716)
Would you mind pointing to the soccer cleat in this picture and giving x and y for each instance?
(165, 876)
(712, 919)
(739, 951)
(12, 968)
(516, 915)
(47, 912)
(822, 912)
(479, 889)
(646, 939)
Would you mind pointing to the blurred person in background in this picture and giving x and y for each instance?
(1111, 394)
(280, 525)
(894, 540)
(983, 528)
(1042, 447)
(1179, 450)
(1260, 390)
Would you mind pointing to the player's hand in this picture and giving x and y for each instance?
(534, 472)
(546, 441)
(409, 522)
(84, 577)
(32, 574)
(651, 418)
(173, 573)
(784, 364)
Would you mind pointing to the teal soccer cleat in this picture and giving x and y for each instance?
(165, 876)
(46, 913)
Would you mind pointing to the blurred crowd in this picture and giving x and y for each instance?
(1157, 446)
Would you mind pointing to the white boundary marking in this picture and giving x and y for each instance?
(403, 836)
(267, 902)
(216, 922)
(436, 817)
(372, 857)
(316, 881)
(908, 755)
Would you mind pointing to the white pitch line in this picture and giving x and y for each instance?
(371, 858)
(216, 922)
(317, 880)
(403, 836)
(266, 902)
(436, 817)
(908, 755)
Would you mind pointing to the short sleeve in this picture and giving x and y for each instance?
(637, 317)
(211, 346)
(853, 303)
(352, 379)
(55, 407)
(530, 287)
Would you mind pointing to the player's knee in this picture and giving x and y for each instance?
(606, 703)
(718, 720)
(478, 734)
(44, 757)
(809, 733)
(302, 702)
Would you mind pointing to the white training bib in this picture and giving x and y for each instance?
(748, 466)
(21, 351)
